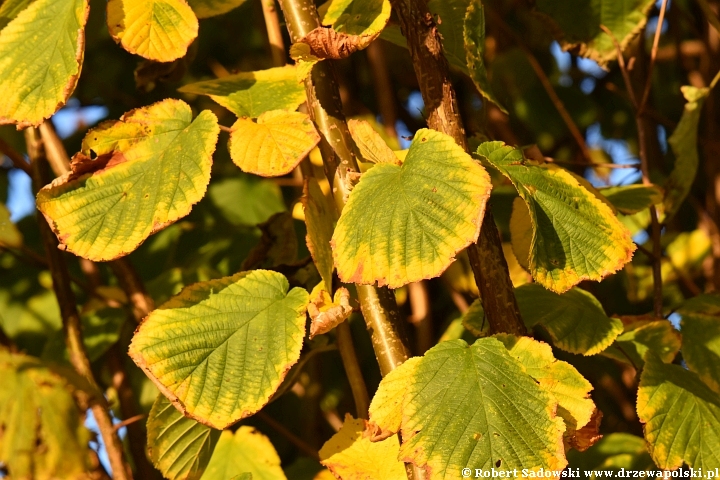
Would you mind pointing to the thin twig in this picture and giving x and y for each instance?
(623, 67)
(352, 369)
(272, 24)
(653, 55)
(129, 421)
(54, 150)
(132, 285)
(635, 166)
(17, 160)
(711, 17)
(291, 437)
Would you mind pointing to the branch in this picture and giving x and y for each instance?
(132, 285)
(709, 14)
(70, 317)
(291, 437)
(352, 369)
(17, 160)
(653, 55)
(432, 71)
(272, 24)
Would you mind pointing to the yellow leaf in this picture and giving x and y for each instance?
(372, 147)
(326, 312)
(386, 406)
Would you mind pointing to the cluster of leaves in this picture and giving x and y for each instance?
(229, 351)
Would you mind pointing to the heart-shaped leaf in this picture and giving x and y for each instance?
(152, 165)
(221, 348)
(406, 223)
(245, 455)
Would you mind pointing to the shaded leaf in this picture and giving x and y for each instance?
(350, 455)
(521, 232)
(406, 223)
(278, 244)
(42, 436)
(274, 145)
(178, 446)
(372, 146)
(474, 319)
(475, 407)
(683, 142)
(575, 320)
(221, 348)
(246, 199)
(700, 327)
(320, 218)
(631, 199)
(101, 330)
(10, 236)
(42, 50)
(211, 8)
(244, 455)
(153, 164)
(576, 236)
(160, 30)
(643, 335)
(250, 94)
(681, 416)
(577, 24)
(613, 452)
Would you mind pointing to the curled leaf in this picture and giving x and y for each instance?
(326, 313)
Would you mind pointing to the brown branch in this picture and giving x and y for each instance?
(70, 316)
(653, 56)
(352, 369)
(272, 24)
(709, 14)
(17, 160)
(432, 71)
(291, 437)
(55, 152)
(132, 285)
(385, 94)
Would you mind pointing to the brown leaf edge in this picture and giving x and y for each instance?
(138, 359)
(326, 43)
(71, 83)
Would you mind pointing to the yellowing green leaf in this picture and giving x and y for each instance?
(10, 236)
(10, 9)
(474, 407)
(575, 320)
(681, 416)
(160, 30)
(474, 319)
(152, 165)
(320, 218)
(577, 25)
(386, 408)
(247, 454)
(211, 8)
(178, 446)
(274, 145)
(221, 348)
(350, 455)
(576, 236)
(250, 94)
(643, 335)
(41, 54)
(372, 147)
(406, 223)
(700, 327)
(560, 379)
(683, 142)
(42, 434)
(631, 199)
(521, 232)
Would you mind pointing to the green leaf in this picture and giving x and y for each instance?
(700, 327)
(101, 330)
(10, 236)
(247, 454)
(613, 452)
(451, 26)
(211, 8)
(274, 145)
(406, 223)
(683, 143)
(643, 335)
(474, 319)
(250, 94)
(472, 407)
(577, 24)
(153, 164)
(178, 446)
(160, 30)
(43, 436)
(221, 348)
(352, 456)
(631, 199)
(320, 218)
(681, 416)
(576, 236)
(42, 51)
(372, 147)
(246, 199)
(575, 320)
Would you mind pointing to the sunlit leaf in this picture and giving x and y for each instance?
(576, 236)
(700, 327)
(41, 54)
(327, 312)
(10, 236)
(683, 142)
(352, 456)
(160, 30)
(577, 24)
(152, 165)
(178, 446)
(372, 147)
(221, 348)
(641, 335)
(274, 145)
(406, 223)
(575, 320)
(475, 407)
(386, 408)
(42, 436)
(611, 453)
(681, 416)
(630, 199)
(320, 218)
(247, 454)
(10, 9)
(250, 94)
(211, 8)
